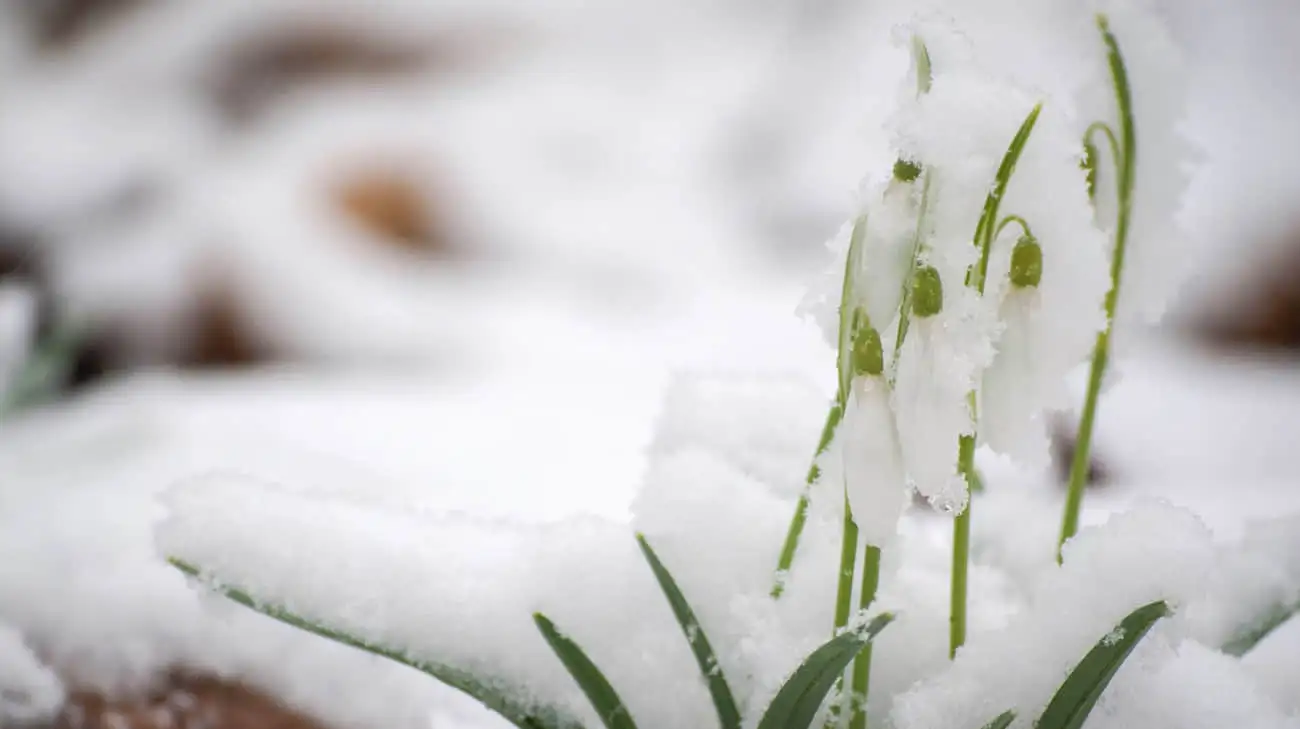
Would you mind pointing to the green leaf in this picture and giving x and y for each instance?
(46, 369)
(592, 682)
(796, 704)
(493, 694)
(723, 701)
(986, 228)
(849, 313)
(1002, 721)
(1250, 636)
(1076, 697)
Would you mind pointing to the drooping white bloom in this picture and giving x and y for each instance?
(1051, 328)
(939, 366)
(866, 447)
(888, 215)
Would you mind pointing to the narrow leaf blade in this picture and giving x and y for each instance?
(589, 678)
(1075, 699)
(723, 700)
(796, 704)
(487, 692)
(1002, 721)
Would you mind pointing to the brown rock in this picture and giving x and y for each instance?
(392, 205)
(183, 702)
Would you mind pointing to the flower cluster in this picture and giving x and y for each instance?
(981, 270)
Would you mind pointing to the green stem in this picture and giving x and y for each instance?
(905, 300)
(1024, 225)
(861, 681)
(800, 517)
(985, 231)
(987, 228)
(1125, 156)
(844, 594)
(961, 550)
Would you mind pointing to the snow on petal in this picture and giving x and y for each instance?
(873, 471)
(889, 211)
(1053, 327)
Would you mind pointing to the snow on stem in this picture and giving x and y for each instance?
(1124, 154)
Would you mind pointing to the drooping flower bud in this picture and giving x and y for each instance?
(1026, 263)
(906, 171)
(868, 353)
(927, 292)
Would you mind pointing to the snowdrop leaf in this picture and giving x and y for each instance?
(723, 701)
(1002, 721)
(849, 315)
(796, 704)
(1251, 634)
(46, 369)
(985, 230)
(593, 683)
(491, 693)
(1076, 697)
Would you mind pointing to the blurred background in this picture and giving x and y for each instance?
(460, 246)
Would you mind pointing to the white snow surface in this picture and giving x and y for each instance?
(512, 479)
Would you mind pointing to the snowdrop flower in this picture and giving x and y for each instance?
(946, 348)
(866, 446)
(888, 224)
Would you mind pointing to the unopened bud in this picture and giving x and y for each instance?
(1026, 263)
(927, 292)
(868, 354)
(905, 171)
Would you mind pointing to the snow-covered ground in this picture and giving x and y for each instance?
(644, 188)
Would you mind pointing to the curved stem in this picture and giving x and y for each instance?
(984, 232)
(1104, 128)
(1024, 226)
(1126, 160)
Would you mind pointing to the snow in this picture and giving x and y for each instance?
(487, 450)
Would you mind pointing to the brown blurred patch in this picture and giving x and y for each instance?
(1265, 309)
(264, 67)
(182, 702)
(222, 333)
(60, 23)
(1063, 442)
(394, 206)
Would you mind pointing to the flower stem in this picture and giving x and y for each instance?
(961, 550)
(800, 517)
(861, 682)
(976, 277)
(844, 594)
(1124, 152)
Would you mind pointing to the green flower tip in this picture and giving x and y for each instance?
(927, 292)
(1089, 165)
(868, 353)
(905, 171)
(1026, 263)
